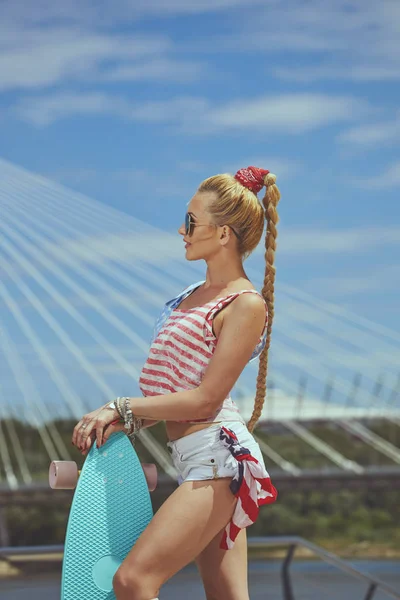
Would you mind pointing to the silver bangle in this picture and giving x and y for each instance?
(136, 427)
(118, 407)
(128, 415)
(123, 407)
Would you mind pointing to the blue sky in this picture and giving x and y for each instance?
(134, 103)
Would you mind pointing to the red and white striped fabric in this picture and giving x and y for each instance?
(181, 351)
(251, 485)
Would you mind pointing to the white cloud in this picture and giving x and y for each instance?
(372, 134)
(335, 241)
(377, 281)
(389, 178)
(157, 70)
(355, 40)
(192, 7)
(355, 73)
(45, 110)
(107, 13)
(51, 43)
(260, 40)
(66, 43)
(41, 58)
(289, 113)
(48, 43)
(286, 113)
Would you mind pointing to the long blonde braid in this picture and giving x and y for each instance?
(237, 206)
(270, 202)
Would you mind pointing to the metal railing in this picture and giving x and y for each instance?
(10, 551)
(374, 583)
(294, 542)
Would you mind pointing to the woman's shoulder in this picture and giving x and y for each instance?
(240, 303)
(247, 300)
(245, 294)
(246, 304)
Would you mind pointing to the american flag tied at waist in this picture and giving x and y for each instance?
(251, 485)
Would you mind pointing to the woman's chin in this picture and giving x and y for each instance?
(189, 255)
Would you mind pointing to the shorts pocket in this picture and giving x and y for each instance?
(204, 454)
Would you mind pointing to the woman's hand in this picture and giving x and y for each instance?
(97, 425)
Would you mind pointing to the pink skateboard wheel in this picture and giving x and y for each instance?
(63, 475)
(150, 472)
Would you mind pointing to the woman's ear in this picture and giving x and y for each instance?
(224, 235)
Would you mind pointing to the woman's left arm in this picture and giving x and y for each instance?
(242, 325)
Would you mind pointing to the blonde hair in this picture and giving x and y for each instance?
(239, 208)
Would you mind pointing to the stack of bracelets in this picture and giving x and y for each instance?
(131, 423)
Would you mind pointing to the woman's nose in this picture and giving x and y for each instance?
(181, 229)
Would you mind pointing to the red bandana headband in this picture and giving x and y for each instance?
(252, 178)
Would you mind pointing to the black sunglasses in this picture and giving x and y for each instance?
(190, 225)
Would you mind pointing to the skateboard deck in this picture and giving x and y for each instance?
(110, 509)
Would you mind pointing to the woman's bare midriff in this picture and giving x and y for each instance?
(177, 430)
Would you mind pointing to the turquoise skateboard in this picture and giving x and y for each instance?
(110, 509)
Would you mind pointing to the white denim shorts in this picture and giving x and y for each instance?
(202, 455)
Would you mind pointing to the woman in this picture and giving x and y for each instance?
(203, 340)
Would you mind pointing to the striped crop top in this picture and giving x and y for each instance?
(182, 346)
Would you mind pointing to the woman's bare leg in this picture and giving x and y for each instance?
(224, 572)
(184, 525)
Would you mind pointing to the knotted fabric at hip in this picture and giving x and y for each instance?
(251, 485)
